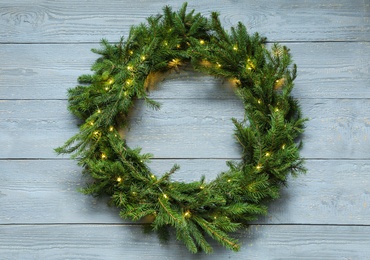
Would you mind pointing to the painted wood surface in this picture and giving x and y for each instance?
(45, 45)
(129, 242)
(45, 71)
(186, 128)
(46, 192)
(88, 21)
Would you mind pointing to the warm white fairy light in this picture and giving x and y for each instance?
(128, 82)
(187, 214)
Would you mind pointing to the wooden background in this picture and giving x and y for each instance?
(45, 45)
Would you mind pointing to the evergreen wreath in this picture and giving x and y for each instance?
(268, 135)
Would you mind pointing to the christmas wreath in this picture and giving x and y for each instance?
(268, 135)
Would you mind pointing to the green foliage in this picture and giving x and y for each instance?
(268, 136)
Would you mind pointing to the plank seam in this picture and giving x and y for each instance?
(142, 224)
(268, 42)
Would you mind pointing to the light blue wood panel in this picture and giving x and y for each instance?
(46, 191)
(186, 128)
(129, 242)
(321, 215)
(46, 71)
(71, 21)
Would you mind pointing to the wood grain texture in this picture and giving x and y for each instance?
(66, 21)
(186, 128)
(124, 242)
(40, 192)
(45, 45)
(330, 70)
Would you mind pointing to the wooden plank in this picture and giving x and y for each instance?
(46, 191)
(68, 21)
(46, 71)
(186, 128)
(42, 71)
(129, 242)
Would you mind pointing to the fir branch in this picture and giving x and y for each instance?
(217, 234)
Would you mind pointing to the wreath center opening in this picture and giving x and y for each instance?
(192, 128)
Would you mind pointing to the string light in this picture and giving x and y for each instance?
(218, 65)
(202, 42)
(119, 179)
(128, 82)
(276, 110)
(97, 135)
(174, 63)
(201, 187)
(110, 81)
(187, 214)
(250, 64)
(91, 123)
(259, 101)
(130, 68)
(106, 88)
(165, 196)
(111, 128)
(228, 180)
(99, 111)
(267, 154)
(103, 156)
(178, 46)
(283, 146)
(130, 52)
(142, 57)
(235, 48)
(152, 176)
(259, 167)
(279, 83)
